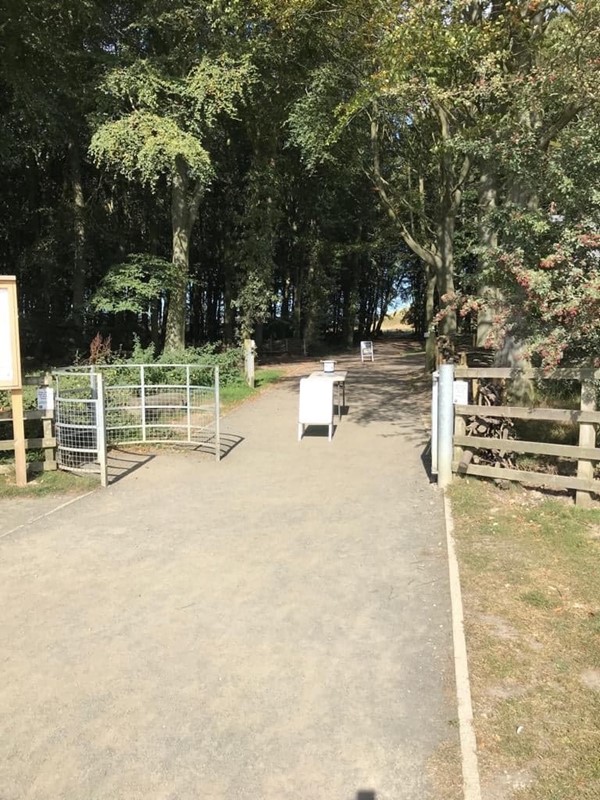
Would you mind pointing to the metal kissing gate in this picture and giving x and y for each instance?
(102, 406)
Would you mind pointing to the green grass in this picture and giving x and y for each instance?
(47, 483)
(530, 572)
(235, 393)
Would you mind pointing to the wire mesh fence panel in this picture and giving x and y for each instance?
(78, 422)
(170, 403)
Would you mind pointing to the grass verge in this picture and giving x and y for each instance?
(54, 482)
(530, 571)
(236, 393)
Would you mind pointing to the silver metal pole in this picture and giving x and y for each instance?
(101, 430)
(434, 422)
(217, 416)
(143, 400)
(445, 424)
(188, 402)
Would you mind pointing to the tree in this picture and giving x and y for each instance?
(165, 103)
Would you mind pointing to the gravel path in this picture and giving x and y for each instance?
(272, 627)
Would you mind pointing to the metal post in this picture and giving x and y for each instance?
(217, 416)
(188, 402)
(101, 430)
(445, 424)
(143, 400)
(434, 422)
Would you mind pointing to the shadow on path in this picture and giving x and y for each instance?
(123, 462)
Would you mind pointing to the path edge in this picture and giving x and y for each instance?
(47, 513)
(468, 741)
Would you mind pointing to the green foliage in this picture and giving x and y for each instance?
(310, 144)
(165, 117)
(145, 146)
(134, 284)
(555, 298)
(228, 359)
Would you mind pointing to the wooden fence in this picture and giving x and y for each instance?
(585, 453)
(273, 347)
(47, 442)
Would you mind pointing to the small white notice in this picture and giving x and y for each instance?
(460, 393)
(45, 398)
(316, 404)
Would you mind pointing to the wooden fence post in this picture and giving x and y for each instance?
(48, 432)
(587, 438)
(460, 429)
(18, 421)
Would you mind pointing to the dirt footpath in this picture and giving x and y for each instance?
(273, 627)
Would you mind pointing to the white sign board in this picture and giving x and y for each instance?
(316, 404)
(6, 365)
(10, 361)
(45, 398)
(366, 350)
(460, 393)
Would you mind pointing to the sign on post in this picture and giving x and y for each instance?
(10, 368)
(45, 398)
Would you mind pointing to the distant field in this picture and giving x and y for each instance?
(395, 322)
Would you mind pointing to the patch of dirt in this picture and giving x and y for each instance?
(499, 627)
(507, 690)
(591, 679)
(593, 533)
(502, 785)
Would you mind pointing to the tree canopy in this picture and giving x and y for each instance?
(180, 172)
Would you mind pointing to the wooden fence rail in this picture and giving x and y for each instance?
(272, 347)
(585, 453)
(47, 442)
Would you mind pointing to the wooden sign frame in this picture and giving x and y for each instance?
(10, 356)
(10, 369)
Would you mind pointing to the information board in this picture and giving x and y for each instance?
(10, 359)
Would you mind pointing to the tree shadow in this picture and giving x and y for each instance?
(394, 389)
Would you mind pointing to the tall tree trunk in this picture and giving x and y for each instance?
(185, 201)
(349, 303)
(445, 271)
(79, 236)
(430, 347)
(488, 239)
